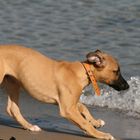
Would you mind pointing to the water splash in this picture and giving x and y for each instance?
(127, 101)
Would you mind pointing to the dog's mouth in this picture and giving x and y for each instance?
(120, 87)
(120, 84)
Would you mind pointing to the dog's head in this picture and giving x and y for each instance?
(107, 70)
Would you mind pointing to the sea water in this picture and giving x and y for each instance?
(126, 101)
(68, 30)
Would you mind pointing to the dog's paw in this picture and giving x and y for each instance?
(99, 123)
(108, 136)
(35, 128)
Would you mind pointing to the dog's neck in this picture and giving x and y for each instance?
(82, 76)
(90, 74)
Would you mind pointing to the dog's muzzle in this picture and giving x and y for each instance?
(120, 84)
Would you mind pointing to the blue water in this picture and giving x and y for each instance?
(69, 29)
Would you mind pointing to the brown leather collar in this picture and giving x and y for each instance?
(92, 78)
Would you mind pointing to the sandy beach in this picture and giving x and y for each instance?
(10, 133)
(120, 126)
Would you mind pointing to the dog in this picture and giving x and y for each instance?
(56, 82)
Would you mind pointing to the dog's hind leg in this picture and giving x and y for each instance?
(84, 111)
(12, 88)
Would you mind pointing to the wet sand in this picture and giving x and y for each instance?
(121, 127)
(10, 133)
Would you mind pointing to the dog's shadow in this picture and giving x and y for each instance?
(5, 121)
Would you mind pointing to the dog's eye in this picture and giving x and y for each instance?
(116, 72)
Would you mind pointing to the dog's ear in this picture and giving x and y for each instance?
(96, 58)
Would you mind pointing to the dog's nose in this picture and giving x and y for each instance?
(120, 84)
(125, 86)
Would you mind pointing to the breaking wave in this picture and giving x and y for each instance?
(127, 101)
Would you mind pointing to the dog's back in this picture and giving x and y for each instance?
(28, 66)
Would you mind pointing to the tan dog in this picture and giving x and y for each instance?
(58, 82)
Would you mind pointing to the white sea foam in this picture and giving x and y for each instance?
(127, 101)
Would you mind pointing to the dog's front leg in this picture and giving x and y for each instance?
(84, 111)
(70, 110)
